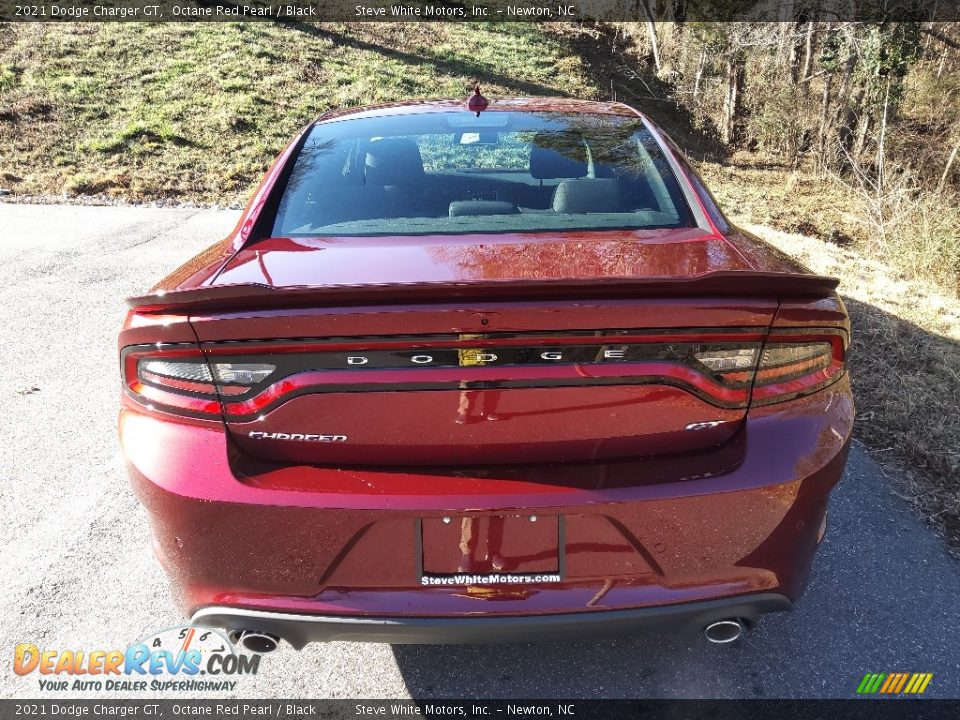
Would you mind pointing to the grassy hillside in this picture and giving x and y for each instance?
(196, 112)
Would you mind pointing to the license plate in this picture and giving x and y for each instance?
(490, 550)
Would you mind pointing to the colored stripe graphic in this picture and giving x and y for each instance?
(894, 683)
(870, 683)
(918, 683)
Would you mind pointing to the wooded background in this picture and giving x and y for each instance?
(869, 108)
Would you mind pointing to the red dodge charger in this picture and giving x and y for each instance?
(487, 371)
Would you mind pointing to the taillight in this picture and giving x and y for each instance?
(179, 379)
(796, 364)
(717, 367)
(730, 370)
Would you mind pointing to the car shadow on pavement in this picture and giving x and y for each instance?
(882, 598)
(906, 384)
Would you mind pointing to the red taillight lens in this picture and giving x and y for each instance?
(176, 381)
(795, 365)
(181, 381)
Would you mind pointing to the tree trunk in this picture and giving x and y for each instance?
(794, 54)
(699, 76)
(847, 79)
(863, 128)
(654, 44)
(733, 101)
(807, 59)
(652, 34)
(843, 120)
(881, 143)
(824, 132)
(786, 33)
(946, 170)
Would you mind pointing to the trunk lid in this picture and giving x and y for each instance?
(484, 350)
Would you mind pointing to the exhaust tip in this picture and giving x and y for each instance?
(255, 641)
(723, 632)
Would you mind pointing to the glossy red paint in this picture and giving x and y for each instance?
(289, 262)
(633, 508)
(736, 519)
(490, 426)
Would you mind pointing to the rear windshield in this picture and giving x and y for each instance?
(454, 172)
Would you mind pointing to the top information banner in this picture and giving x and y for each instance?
(478, 10)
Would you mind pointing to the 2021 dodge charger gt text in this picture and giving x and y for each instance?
(499, 372)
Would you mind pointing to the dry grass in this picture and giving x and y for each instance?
(762, 190)
(915, 233)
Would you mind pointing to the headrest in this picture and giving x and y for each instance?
(547, 163)
(588, 195)
(481, 207)
(393, 161)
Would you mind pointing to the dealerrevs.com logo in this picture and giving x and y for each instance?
(184, 659)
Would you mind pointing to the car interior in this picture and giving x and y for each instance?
(483, 181)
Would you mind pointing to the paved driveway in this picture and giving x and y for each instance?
(78, 573)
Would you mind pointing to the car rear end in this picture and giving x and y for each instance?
(458, 436)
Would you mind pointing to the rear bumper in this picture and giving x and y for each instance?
(299, 630)
(334, 554)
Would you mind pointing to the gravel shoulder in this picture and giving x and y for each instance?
(78, 571)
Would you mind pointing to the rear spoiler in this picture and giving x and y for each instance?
(250, 296)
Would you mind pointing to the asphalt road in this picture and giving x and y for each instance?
(77, 571)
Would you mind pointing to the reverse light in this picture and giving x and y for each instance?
(720, 360)
(242, 373)
(197, 371)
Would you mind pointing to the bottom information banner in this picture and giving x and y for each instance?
(859, 709)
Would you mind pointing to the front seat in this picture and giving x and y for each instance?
(546, 163)
(393, 172)
(587, 195)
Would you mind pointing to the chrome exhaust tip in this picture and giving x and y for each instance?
(255, 641)
(723, 632)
